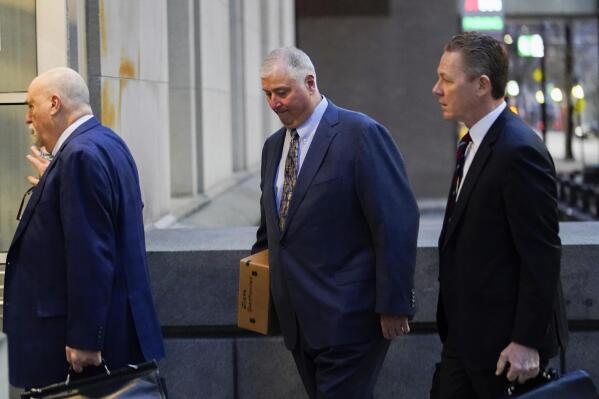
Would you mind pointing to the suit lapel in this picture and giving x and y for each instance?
(318, 149)
(272, 166)
(36, 194)
(39, 189)
(444, 227)
(478, 163)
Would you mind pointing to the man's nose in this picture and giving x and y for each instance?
(274, 103)
(436, 90)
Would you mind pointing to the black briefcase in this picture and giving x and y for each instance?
(133, 381)
(573, 385)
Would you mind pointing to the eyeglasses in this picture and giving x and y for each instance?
(27, 193)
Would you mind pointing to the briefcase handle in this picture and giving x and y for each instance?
(542, 378)
(73, 384)
(103, 363)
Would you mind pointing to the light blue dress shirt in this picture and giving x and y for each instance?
(306, 133)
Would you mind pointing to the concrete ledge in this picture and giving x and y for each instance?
(195, 276)
(261, 367)
(3, 366)
(409, 366)
(199, 368)
(265, 369)
(195, 272)
(196, 288)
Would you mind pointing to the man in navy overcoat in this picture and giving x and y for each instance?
(77, 286)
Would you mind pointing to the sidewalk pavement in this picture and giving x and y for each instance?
(239, 205)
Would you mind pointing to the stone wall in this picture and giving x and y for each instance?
(179, 81)
(385, 65)
(194, 277)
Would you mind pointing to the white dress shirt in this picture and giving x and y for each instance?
(68, 131)
(478, 131)
(306, 133)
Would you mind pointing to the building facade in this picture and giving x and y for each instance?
(178, 80)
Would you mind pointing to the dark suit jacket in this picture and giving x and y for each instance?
(348, 251)
(76, 270)
(500, 252)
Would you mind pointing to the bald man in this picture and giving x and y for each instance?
(77, 286)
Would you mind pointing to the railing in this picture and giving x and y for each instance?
(579, 195)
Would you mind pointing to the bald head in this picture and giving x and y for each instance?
(55, 100)
(68, 85)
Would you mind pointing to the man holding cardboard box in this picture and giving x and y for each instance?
(340, 222)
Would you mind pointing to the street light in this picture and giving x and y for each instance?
(513, 89)
(540, 97)
(577, 92)
(557, 95)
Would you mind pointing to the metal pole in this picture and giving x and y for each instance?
(544, 85)
(568, 90)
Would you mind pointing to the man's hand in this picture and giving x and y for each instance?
(38, 162)
(394, 326)
(524, 362)
(80, 358)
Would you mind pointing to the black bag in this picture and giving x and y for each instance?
(133, 381)
(573, 385)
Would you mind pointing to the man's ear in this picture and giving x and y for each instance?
(55, 104)
(310, 82)
(484, 85)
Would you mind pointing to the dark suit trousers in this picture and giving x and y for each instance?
(459, 382)
(340, 372)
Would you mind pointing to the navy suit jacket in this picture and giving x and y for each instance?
(348, 250)
(500, 251)
(76, 271)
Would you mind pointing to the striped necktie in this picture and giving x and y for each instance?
(457, 176)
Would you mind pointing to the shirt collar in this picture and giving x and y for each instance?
(68, 131)
(309, 125)
(479, 130)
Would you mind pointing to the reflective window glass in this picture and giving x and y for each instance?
(570, 93)
(18, 64)
(14, 168)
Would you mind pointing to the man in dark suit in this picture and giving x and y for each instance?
(500, 312)
(340, 222)
(77, 285)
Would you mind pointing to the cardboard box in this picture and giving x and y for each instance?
(253, 305)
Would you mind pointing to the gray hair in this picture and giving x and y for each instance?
(70, 86)
(298, 63)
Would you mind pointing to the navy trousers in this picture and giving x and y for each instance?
(340, 372)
